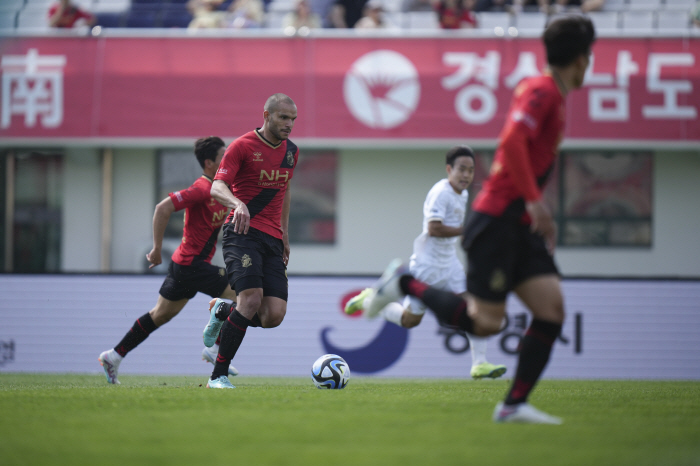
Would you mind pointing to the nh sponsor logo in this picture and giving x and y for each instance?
(274, 175)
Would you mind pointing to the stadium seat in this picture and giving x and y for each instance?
(422, 20)
(672, 20)
(393, 5)
(11, 5)
(615, 5)
(280, 5)
(534, 21)
(109, 19)
(685, 5)
(637, 21)
(607, 21)
(643, 4)
(492, 20)
(273, 19)
(141, 18)
(176, 16)
(34, 18)
(395, 19)
(8, 19)
(112, 6)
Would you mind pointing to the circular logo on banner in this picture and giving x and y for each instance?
(381, 89)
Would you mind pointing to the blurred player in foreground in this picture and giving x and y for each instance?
(253, 181)
(191, 269)
(510, 234)
(434, 259)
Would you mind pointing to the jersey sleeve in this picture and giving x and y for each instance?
(230, 164)
(436, 208)
(532, 109)
(195, 194)
(525, 122)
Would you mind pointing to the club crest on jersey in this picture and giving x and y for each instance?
(290, 158)
(246, 261)
(257, 157)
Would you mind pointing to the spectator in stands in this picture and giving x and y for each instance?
(205, 14)
(456, 14)
(301, 17)
(346, 13)
(245, 14)
(372, 17)
(66, 15)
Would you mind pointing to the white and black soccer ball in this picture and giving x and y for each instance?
(330, 371)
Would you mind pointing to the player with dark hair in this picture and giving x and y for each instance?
(434, 260)
(190, 270)
(510, 234)
(253, 180)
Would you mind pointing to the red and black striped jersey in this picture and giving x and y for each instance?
(204, 216)
(258, 173)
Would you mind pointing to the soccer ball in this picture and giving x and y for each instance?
(330, 371)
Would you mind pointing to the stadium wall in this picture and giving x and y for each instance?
(615, 329)
(379, 200)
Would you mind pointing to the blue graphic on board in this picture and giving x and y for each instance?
(377, 355)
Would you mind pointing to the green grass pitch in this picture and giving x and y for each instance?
(48, 419)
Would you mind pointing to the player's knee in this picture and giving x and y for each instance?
(272, 318)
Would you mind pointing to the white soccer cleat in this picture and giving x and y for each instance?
(387, 289)
(209, 355)
(110, 360)
(523, 413)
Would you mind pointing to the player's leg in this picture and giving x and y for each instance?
(481, 368)
(139, 331)
(538, 287)
(396, 281)
(174, 295)
(244, 260)
(542, 295)
(249, 299)
(219, 311)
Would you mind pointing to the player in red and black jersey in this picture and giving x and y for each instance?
(510, 235)
(253, 180)
(190, 270)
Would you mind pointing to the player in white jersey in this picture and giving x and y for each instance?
(434, 260)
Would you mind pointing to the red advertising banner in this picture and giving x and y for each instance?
(637, 89)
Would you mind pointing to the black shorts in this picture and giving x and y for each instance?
(255, 260)
(502, 253)
(184, 281)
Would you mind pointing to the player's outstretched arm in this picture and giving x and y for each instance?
(162, 214)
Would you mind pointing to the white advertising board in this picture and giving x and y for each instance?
(614, 329)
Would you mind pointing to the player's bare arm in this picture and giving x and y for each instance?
(162, 214)
(542, 223)
(241, 217)
(439, 230)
